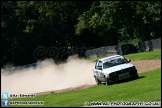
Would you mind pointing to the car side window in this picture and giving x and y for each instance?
(98, 65)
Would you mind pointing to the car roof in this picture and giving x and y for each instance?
(110, 57)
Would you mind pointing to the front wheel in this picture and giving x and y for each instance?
(97, 81)
(107, 82)
(136, 77)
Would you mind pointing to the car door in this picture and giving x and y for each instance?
(99, 70)
(95, 70)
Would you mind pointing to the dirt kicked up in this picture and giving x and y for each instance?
(47, 76)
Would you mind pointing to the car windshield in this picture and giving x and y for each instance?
(114, 62)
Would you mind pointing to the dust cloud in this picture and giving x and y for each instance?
(47, 76)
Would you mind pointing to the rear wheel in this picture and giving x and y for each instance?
(98, 82)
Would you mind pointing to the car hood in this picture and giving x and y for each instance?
(117, 68)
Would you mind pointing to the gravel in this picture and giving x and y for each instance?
(146, 65)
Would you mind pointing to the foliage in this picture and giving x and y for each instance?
(128, 19)
(27, 25)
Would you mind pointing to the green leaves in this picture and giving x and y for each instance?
(97, 23)
(131, 20)
(38, 23)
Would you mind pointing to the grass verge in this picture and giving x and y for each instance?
(151, 55)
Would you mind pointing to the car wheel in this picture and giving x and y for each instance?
(107, 82)
(97, 81)
(136, 77)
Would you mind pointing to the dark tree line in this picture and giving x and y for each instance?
(33, 30)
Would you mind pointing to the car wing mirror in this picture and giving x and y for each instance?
(129, 60)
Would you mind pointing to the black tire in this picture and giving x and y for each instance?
(107, 82)
(98, 82)
(136, 77)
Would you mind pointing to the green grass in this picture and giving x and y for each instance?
(151, 55)
(146, 88)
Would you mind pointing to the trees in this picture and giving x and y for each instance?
(122, 21)
(8, 31)
(27, 25)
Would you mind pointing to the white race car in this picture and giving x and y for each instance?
(114, 68)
